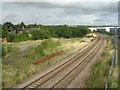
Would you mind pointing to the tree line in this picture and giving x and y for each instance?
(39, 31)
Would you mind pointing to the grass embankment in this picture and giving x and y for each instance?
(100, 70)
(8, 50)
(113, 79)
(18, 67)
(15, 71)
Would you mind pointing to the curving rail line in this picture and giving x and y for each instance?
(61, 76)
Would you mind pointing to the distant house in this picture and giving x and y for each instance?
(28, 30)
(25, 30)
(19, 31)
(11, 30)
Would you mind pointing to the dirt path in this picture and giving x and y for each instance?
(23, 48)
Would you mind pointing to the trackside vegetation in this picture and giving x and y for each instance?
(17, 70)
(47, 45)
(100, 70)
(17, 59)
(18, 67)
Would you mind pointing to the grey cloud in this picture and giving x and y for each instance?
(101, 20)
(35, 4)
(93, 8)
(75, 7)
(55, 12)
(11, 17)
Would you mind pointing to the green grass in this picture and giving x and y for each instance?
(113, 80)
(100, 70)
(17, 70)
(8, 50)
(18, 67)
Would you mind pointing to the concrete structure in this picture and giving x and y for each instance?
(106, 28)
(112, 30)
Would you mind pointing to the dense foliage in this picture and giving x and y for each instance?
(21, 37)
(39, 31)
(67, 31)
(40, 34)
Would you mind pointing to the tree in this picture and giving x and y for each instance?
(0, 31)
(7, 25)
(40, 34)
(4, 32)
(64, 31)
(22, 25)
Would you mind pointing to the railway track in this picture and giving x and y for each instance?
(61, 76)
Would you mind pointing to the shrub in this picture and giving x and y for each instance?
(21, 37)
(47, 44)
(40, 34)
(6, 49)
(11, 37)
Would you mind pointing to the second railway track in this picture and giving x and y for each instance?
(61, 76)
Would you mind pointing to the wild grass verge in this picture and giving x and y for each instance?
(100, 70)
(7, 50)
(17, 70)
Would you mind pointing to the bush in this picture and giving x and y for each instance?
(21, 37)
(11, 37)
(47, 44)
(6, 49)
(40, 34)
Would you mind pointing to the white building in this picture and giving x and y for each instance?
(106, 28)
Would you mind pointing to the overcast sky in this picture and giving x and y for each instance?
(71, 13)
